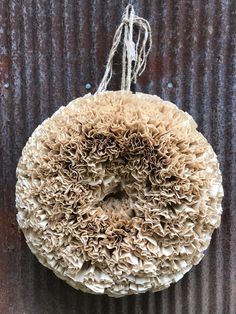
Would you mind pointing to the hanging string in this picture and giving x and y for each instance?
(135, 51)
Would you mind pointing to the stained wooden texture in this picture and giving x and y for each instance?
(49, 51)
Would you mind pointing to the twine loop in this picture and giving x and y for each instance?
(135, 49)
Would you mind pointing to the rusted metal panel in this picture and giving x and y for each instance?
(49, 51)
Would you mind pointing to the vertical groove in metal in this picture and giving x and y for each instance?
(29, 64)
(204, 108)
(49, 50)
(180, 24)
(5, 109)
(70, 38)
(216, 248)
(229, 302)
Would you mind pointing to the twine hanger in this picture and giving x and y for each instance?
(135, 50)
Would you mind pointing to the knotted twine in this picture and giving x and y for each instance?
(135, 50)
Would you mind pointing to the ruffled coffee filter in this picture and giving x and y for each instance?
(118, 193)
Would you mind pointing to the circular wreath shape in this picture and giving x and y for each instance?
(118, 193)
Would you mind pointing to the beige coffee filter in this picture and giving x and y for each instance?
(118, 193)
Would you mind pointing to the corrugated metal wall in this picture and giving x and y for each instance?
(50, 49)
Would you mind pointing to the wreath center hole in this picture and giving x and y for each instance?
(117, 201)
(118, 194)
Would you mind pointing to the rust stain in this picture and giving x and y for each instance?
(4, 64)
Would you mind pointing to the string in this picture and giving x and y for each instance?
(135, 49)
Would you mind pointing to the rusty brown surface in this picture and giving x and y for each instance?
(49, 50)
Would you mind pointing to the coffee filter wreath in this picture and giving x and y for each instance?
(117, 192)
